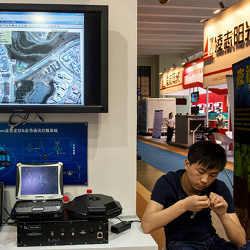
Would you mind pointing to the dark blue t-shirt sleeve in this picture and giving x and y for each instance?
(161, 191)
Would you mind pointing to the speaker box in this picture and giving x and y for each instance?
(1, 202)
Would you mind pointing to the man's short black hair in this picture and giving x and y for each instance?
(207, 154)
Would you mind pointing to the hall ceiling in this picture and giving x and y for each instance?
(173, 28)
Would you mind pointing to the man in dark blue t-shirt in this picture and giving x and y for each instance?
(181, 201)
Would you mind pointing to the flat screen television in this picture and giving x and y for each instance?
(195, 96)
(53, 58)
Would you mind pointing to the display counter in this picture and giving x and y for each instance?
(131, 239)
(186, 127)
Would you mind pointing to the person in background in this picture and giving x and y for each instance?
(170, 125)
(181, 201)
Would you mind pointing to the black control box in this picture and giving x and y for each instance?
(62, 232)
(120, 227)
(93, 206)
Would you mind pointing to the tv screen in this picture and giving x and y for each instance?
(195, 96)
(193, 124)
(195, 110)
(53, 58)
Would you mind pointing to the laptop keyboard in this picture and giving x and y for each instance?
(38, 206)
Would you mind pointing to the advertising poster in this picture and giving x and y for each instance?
(241, 79)
(157, 124)
(45, 143)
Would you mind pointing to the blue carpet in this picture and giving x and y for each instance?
(166, 161)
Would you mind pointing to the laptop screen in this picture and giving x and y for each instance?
(36, 181)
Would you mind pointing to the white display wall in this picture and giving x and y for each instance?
(111, 136)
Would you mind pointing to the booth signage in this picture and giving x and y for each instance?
(172, 78)
(193, 74)
(226, 41)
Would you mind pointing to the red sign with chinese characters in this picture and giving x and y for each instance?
(172, 78)
(193, 74)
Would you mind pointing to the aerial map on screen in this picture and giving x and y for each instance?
(41, 58)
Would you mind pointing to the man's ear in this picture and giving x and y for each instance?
(187, 164)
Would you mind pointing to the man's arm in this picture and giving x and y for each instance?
(235, 232)
(155, 216)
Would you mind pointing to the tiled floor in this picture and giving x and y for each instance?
(147, 175)
(179, 150)
(172, 148)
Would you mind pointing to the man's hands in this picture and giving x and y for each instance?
(215, 202)
(196, 203)
(218, 204)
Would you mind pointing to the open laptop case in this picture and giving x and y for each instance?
(39, 191)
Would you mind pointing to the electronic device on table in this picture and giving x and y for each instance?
(39, 191)
(65, 231)
(84, 221)
(93, 206)
(54, 58)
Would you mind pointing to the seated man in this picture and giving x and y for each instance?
(181, 201)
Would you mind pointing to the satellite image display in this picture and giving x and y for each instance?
(41, 66)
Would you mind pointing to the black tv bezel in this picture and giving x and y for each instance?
(103, 107)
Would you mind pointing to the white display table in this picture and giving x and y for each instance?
(131, 239)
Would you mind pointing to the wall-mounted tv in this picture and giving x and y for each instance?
(53, 58)
(195, 96)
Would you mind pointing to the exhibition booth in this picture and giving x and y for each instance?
(205, 85)
(217, 96)
(183, 94)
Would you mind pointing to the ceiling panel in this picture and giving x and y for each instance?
(173, 28)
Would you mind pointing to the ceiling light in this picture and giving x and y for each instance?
(203, 20)
(217, 11)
